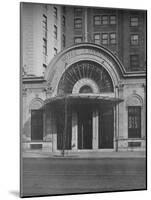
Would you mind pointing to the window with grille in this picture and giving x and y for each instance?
(36, 125)
(97, 20)
(134, 62)
(104, 38)
(134, 21)
(97, 38)
(112, 38)
(78, 23)
(112, 19)
(134, 40)
(134, 122)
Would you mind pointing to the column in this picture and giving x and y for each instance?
(74, 131)
(95, 129)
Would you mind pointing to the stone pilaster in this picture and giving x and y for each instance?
(74, 131)
(95, 129)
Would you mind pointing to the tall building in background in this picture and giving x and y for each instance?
(97, 58)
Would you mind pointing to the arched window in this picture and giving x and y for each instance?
(86, 89)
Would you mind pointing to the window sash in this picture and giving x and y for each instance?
(97, 20)
(134, 39)
(78, 23)
(134, 21)
(104, 19)
(112, 19)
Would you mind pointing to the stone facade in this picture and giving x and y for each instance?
(40, 86)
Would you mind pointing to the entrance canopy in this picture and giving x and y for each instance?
(74, 99)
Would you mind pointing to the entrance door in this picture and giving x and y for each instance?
(85, 129)
(106, 129)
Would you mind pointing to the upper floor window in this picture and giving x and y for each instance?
(63, 21)
(63, 40)
(55, 51)
(104, 20)
(134, 21)
(134, 62)
(44, 46)
(44, 25)
(55, 12)
(97, 20)
(55, 32)
(77, 11)
(78, 23)
(134, 39)
(112, 38)
(104, 38)
(112, 19)
(97, 38)
(77, 40)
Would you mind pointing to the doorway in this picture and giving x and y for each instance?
(85, 128)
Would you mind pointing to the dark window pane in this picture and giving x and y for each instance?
(134, 121)
(36, 125)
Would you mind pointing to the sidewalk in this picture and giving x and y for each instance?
(82, 155)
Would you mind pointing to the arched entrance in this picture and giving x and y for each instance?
(84, 96)
(86, 78)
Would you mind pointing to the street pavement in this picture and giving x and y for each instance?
(49, 176)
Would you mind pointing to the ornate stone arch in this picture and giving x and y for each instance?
(134, 100)
(83, 52)
(36, 103)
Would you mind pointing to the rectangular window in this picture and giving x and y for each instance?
(63, 21)
(55, 12)
(63, 41)
(36, 125)
(44, 22)
(44, 25)
(97, 38)
(134, 62)
(112, 19)
(134, 21)
(55, 51)
(97, 20)
(104, 38)
(134, 122)
(112, 38)
(134, 40)
(44, 46)
(77, 11)
(55, 32)
(77, 40)
(78, 23)
(104, 20)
